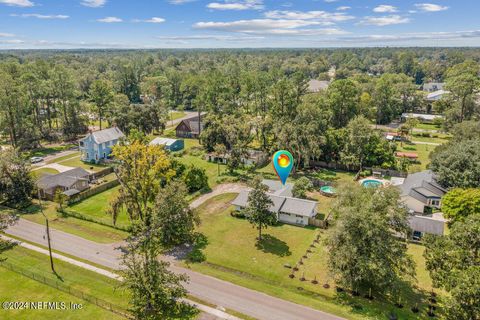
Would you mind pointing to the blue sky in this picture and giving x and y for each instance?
(237, 23)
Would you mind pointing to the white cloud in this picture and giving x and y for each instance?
(343, 8)
(210, 37)
(151, 20)
(110, 20)
(41, 16)
(12, 41)
(4, 34)
(385, 20)
(321, 16)
(269, 26)
(237, 5)
(18, 3)
(330, 1)
(437, 36)
(93, 3)
(430, 7)
(385, 8)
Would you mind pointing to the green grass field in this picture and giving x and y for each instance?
(49, 149)
(16, 287)
(422, 150)
(39, 173)
(174, 115)
(232, 254)
(76, 162)
(81, 280)
(96, 207)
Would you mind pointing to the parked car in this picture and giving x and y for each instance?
(36, 159)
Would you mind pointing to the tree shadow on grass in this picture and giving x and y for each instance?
(270, 244)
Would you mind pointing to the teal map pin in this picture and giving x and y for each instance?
(283, 164)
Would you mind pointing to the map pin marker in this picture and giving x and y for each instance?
(283, 164)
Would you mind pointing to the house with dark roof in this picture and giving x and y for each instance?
(421, 194)
(288, 209)
(97, 146)
(189, 128)
(69, 182)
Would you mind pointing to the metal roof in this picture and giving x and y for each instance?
(106, 135)
(162, 141)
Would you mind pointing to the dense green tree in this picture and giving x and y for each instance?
(195, 179)
(456, 164)
(258, 207)
(174, 220)
(364, 249)
(454, 264)
(463, 83)
(343, 101)
(101, 94)
(16, 183)
(458, 203)
(301, 187)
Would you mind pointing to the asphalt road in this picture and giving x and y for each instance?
(221, 293)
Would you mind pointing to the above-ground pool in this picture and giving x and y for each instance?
(328, 190)
(370, 183)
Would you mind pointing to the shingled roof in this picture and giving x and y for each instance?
(65, 179)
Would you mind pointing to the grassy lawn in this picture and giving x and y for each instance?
(433, 138)
(262, 267)
(96, 207)
(63, 158)
(79, 279)
(39, 173)
(76, 162)
(85, 229)
(47, 150)
(423, 151)
(16, 287)
(428, 126)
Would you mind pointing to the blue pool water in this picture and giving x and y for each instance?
(328, 189)
(371, 183)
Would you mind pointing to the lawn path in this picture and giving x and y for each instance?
(218, 190)
(56, 166)
(427, 143)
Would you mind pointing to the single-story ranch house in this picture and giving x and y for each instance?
(189, 128)
(70, 182)
(97, 146)
(168, 144)
(424, 118)
(288, 209)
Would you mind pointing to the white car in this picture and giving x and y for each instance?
(36, 159)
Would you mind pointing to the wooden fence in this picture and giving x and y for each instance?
(93, 191)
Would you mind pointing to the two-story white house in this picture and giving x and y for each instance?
(97, 146)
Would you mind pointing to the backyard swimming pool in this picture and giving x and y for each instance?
(370, 183)
(328, 190)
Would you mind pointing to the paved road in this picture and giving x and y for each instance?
(51, 157)
(189, 114)
(218, 292)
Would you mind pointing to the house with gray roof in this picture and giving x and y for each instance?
(288, 209)
(69, 182)
(420, 193)
(97, 146)
(422, 117)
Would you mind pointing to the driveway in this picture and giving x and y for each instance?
(56, 166)
(218, 190)
(51, 157)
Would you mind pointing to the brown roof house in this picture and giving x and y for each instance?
(69, 182)
(189, 128)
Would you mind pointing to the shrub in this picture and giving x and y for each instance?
(195, 178)
(301, 187)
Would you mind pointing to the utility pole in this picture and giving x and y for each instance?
(48, 232)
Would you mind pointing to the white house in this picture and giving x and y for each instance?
(437, 95)
(422, 117)
(288, 209)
